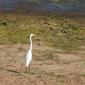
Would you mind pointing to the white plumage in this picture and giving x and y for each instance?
(28, 58)
(29, 55)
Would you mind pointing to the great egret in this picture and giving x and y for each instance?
(29, 54)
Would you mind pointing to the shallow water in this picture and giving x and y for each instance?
(7, 4)
(44, 5)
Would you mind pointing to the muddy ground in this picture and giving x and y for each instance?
(49, 66)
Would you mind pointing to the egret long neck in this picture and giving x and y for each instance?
(30, 43)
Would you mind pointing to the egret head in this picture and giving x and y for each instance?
(32, 35)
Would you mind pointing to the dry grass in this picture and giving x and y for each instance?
(49, 67)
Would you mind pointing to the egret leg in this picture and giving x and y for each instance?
(29, 68)
(25, 69)
(21, 67)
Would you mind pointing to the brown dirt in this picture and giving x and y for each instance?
(49, 66)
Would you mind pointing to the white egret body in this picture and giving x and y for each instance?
(29, 54)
